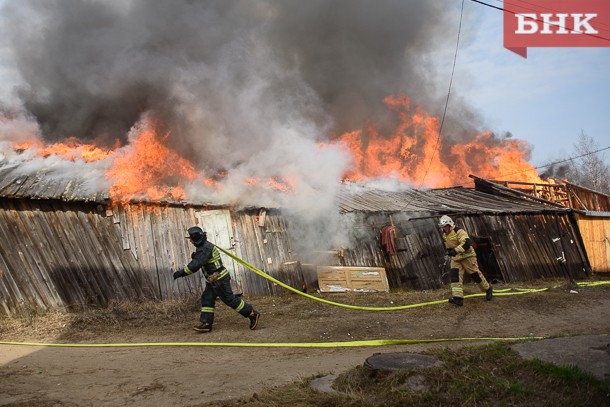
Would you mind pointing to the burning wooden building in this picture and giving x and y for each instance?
(590, 211)
(63, 245)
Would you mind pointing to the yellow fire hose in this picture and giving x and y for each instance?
(346, 344)
(378, 342)
(397, 308)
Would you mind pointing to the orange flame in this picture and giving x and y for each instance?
(149, 169)
(413, 153)
(71, 149)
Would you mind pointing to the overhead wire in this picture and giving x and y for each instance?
(556, 162)
(440, 130)
(451, 82)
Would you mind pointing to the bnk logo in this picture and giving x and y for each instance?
(556, 23)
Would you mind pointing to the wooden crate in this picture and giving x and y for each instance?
(339, 279)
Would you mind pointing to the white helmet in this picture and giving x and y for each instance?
(445, 220)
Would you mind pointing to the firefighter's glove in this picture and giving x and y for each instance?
(451, 252)
(212, 278)
(179, 273)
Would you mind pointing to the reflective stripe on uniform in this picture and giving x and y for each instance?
(457, 291)
(209, 310)
(187, 270)
(241, 305)
(215, 258)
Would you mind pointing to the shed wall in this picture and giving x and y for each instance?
(264, 241)
(530, 246)
(524, 247)
(595, 232)
(56, 254)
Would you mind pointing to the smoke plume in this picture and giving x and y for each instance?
(245, 88)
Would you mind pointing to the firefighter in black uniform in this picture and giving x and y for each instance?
(218, 282)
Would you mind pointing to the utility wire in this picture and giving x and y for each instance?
(556, 162)
(440, 130)
(547, 165)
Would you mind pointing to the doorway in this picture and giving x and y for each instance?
(219, 228)
(488, 263)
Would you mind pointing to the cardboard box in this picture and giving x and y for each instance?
(340, 279)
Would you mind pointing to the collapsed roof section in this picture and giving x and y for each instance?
(560, 194)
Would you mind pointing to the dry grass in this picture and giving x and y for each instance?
(161, 317)
(44, 325)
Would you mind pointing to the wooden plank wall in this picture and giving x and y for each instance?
(155, 237)
(586, 199)
(76, 255)
(595, 232)
(530, 246)
(526, 247)
(263, 241)
(55, 254)
(419, 262)
(62, 255)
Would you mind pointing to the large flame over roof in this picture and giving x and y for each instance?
(416, 153)
(147, 168)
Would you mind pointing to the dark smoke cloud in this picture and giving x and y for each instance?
(226, 77)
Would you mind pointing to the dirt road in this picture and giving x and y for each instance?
(191, 375)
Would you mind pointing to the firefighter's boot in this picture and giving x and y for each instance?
(254, 317)
(456, 300)
(203, 327)
(489, 294)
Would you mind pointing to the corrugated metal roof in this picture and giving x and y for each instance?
(447, 200)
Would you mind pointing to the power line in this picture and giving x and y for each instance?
(440, 130)
(557, 162)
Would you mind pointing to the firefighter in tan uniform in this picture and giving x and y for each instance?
(463, 259)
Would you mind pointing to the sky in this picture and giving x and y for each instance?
(547, 99)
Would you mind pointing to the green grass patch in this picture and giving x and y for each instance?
(489, 375)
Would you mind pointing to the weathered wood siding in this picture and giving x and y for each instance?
(586, 199)
(595, 232)
(525, 246)
(419, 262)
(263, 241)
(56, 254)
(530, 246)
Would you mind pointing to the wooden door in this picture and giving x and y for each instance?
(219, 228)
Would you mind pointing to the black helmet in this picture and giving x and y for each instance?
(197, 235)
